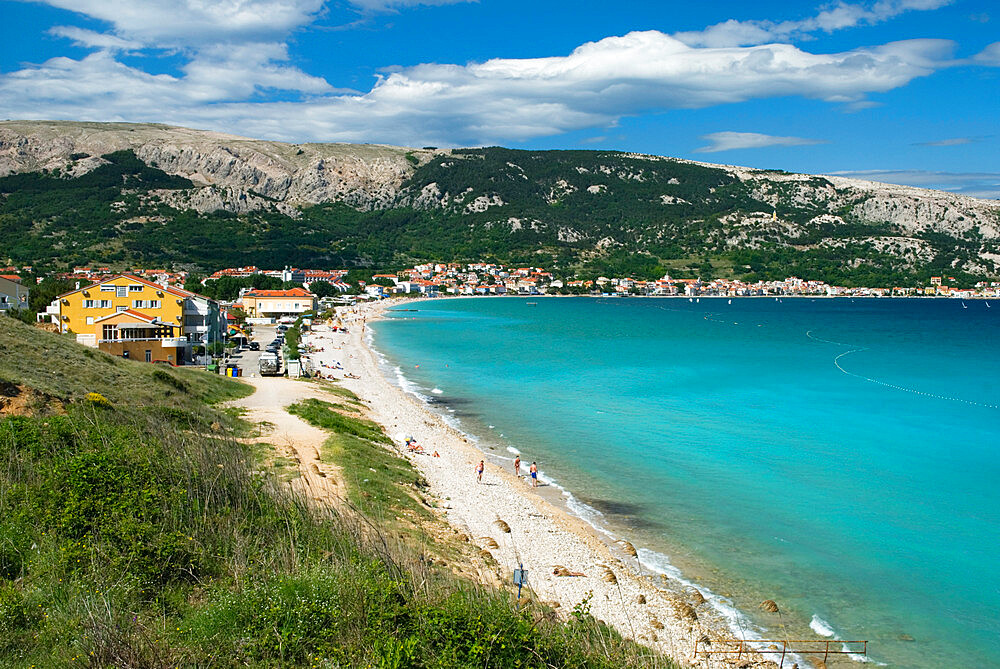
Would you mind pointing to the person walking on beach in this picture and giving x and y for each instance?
(517, 466)
(534, 475)
(479, 472)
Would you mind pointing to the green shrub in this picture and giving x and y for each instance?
(163, 376)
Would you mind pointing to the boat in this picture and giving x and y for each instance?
(987, 305)
(690, 299)
(964, 305)
(730, 301)
(532, 304)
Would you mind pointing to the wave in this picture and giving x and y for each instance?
(739, 625)
(821, 627)
(437, 391)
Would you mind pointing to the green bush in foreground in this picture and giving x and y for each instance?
(146, 536)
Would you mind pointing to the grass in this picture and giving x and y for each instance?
(141, 531)
(379, 483)
(54, 365)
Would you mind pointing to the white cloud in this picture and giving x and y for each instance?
(495, 101)
(389, 5)
(178, 23)
(989, 56)
(974, 184)
(836, 17)
(954, 141)
(727, 141)
(90, 39)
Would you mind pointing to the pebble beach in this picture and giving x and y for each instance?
(568, 562)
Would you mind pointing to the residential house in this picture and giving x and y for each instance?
(174, 312)
(13, 295)
(138, 336)
(277, 303)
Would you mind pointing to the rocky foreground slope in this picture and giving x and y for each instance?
(590, 204)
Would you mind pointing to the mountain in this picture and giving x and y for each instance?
(115, 193)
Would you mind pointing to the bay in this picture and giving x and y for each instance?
(837, 456)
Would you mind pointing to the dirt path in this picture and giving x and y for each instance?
(292, 436)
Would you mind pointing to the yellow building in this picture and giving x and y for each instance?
(81, 308)
(131, 334)
(166, 311)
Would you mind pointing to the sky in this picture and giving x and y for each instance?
(902, 91)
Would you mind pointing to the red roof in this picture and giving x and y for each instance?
(292, 292)
(11, 277)
(173, 290)
(129, 312)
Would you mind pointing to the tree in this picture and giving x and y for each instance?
(43, 294)
(322, 289)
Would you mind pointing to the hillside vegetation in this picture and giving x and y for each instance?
(170, 196)
(140, 526)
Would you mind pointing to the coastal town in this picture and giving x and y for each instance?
(159, 315)
(481, 279)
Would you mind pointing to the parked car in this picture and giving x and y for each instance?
(282, 328)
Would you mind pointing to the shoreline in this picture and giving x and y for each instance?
(662, 611)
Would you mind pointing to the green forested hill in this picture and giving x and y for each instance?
(580, 212)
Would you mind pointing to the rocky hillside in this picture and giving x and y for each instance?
(248, 199)
(229, 172)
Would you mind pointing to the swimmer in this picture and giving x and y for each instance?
(479, 472)
(517, 466)
(534, 475)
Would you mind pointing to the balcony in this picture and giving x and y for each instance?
(166, 342)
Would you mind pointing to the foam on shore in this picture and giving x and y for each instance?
(474, 508)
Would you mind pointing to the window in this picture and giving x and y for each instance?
(121, 291)
(108, 288)
(110, 332)
(149, 355)
(135, 288)
(89, 304)
(104, 304)
(120, 309)
(145, 304)
(90, 320)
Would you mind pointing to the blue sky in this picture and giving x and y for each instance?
(905, 91)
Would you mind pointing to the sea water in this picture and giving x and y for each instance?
(837, 456)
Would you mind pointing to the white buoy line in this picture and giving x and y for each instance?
(856, 349)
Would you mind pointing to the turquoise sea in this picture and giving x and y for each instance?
(837, 456)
